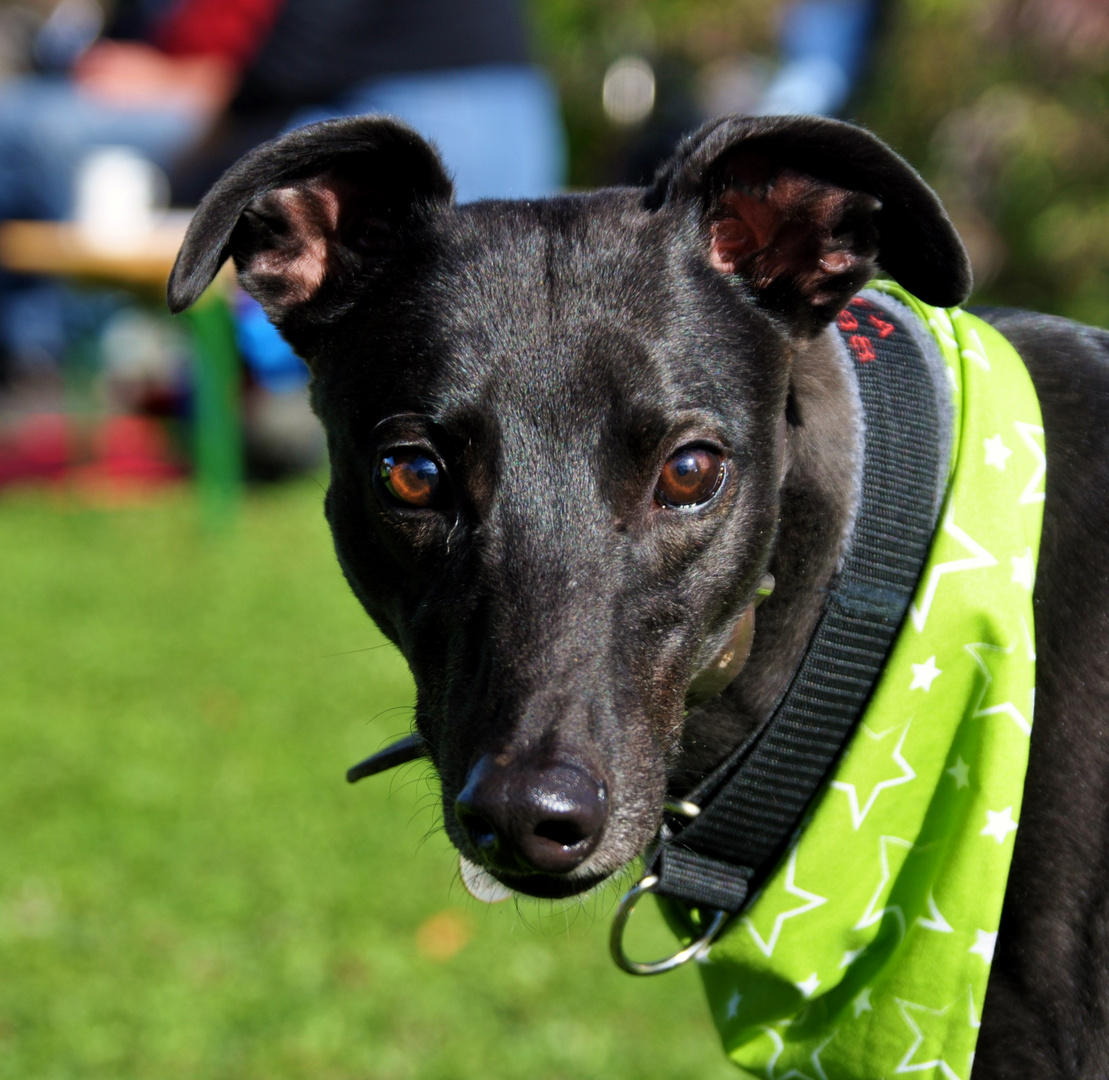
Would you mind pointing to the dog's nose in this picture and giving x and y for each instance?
(526, 818)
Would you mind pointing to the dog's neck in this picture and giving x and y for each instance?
(820, 489)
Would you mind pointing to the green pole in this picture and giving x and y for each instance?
(217, 432)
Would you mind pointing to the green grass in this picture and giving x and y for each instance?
(188, 888)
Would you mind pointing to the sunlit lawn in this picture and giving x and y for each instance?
(188, 888)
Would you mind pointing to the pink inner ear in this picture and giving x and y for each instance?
(312, 214)
(747, 223)
(772, 226)
(748, 226)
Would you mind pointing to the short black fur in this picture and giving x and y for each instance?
(552, 357)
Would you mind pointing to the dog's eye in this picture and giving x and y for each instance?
(411, 477)
(691, 477)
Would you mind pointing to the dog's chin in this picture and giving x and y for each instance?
(549, 886)
(484, 885)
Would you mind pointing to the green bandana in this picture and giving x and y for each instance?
(867, 951)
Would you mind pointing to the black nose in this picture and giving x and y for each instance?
(524, 818)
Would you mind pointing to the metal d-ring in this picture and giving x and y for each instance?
(655, 967)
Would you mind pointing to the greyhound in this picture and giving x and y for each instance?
(570, 438)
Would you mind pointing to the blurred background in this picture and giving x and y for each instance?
(187, 886)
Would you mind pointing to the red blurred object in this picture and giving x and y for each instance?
(37, 450)
(234, 31)
(131, 457)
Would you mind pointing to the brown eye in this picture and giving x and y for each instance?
(691, 477)
(411, 477)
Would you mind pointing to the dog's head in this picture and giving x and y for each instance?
(556, 434)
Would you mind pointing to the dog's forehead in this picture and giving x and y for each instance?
(576, 305)
(522, 270)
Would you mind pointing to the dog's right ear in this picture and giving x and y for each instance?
(302, 214)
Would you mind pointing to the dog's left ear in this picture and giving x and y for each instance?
(807, 210)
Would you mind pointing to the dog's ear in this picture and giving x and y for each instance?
(807, 210)
(304, 213)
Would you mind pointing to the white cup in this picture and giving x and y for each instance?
(118, 195)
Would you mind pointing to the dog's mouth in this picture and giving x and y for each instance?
(483, 885)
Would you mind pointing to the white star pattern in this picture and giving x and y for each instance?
(999, 824)
(941, 324)
(935, 920)
(1024, 569)
(984, 945)
(959, 772)
(980, 560)
(907, 1065)
(862, 1003)
(972, 1016)
(871, 916)
(1029, 644)
(997, 453)
(976, 355)
(779, 1046)
(809, 986)
(812, 901)
(925, 674)
(1006, 708)
(731, 1010)
(858, 815)
(850, 956)
(794, 1074)
(1028, 433)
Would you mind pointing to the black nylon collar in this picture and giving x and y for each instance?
(753, 804)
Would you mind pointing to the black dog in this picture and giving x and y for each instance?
(570, 436)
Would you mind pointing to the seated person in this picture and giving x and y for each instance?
(191, 84)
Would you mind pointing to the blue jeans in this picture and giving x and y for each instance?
(498, 130)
